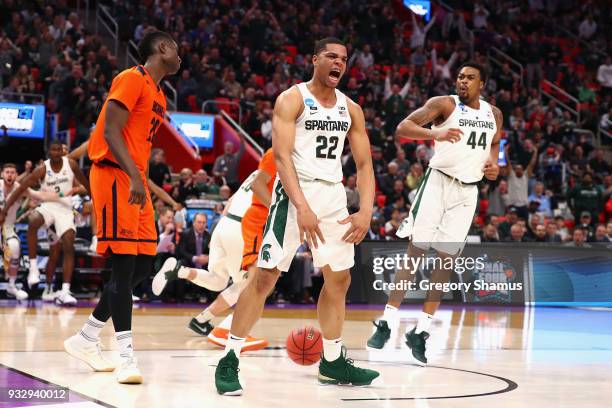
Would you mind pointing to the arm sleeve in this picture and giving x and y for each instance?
(126, 88)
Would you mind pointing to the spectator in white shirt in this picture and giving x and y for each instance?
(419, 33)
(587, 28)
(480, 16)
(604, 75)
(363, 58)
(442, 69)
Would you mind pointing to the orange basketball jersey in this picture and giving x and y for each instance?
(268, 165)
(137, 92)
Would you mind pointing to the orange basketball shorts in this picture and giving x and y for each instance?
(253, 224)
(122, 228)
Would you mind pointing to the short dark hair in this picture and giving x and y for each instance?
(322, 44)
(146, 48)
(9, 166)
(56, 142)
(481, 69)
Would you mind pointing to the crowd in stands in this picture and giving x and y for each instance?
(557, 184)
(45, 49)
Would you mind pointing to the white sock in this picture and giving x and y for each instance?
(65, 287)
(209, 280)
(423, 323)
(227, 322)
(390, 315)
(91, 329)
(34, 267)
(12, 280)
(183, 272)
(234, 343)
(205, 316)
(124, 340)
(332, 349)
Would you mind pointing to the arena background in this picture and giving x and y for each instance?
(550, 73)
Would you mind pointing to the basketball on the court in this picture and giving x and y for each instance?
(304, 345)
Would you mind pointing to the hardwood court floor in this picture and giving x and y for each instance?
(479, 357)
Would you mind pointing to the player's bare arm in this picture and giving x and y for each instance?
(287, 108)
(116, 118)
(438, 107)
(78, 174)
(532, 161)
(260, 187)
(360, 148)
(79, 152)
(46, 196)
(162, 195)
(31, 180)
(491, 169)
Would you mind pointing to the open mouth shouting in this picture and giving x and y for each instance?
(334, 76)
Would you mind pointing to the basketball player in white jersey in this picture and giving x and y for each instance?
(467, 132)
(8, 237)
(309, 127)
(57, 175)
(224, 261)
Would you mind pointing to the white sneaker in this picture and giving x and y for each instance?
(18, 294)
(88, 352)
(135, 298)
(33, 278)
(168, 272)
(65, 299)
(128, 372)
(49, 294)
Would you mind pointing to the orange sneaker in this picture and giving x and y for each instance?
(219, 337)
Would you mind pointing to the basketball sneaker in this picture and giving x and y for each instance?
(168, 272)
(128, 372)
(203, 329)
(416, 342)
(18, 294)
(381, 335)
(88, 352)
(49, 294)
(64, 298)
(218, 336)
(342, 371)
(226, 375)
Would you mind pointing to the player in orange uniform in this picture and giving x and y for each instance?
(119, 148)
(249, 206)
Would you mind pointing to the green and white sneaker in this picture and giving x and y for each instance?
(381, 336)
(167, 273)
(416, 342)
(226, 375)
(342, 371)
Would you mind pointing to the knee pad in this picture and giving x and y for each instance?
(12, 251)
(231, 294)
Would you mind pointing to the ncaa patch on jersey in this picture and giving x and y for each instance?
(309, 102)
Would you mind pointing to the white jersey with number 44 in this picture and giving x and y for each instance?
(465, 159)
(319, 138)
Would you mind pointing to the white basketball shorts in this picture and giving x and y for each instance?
(441, 214)
(281, 234)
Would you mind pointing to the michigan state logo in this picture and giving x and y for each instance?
(265, 252)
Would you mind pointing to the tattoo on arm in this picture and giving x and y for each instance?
(429, 112)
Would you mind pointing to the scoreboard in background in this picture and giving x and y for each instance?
(419, 7)
(199, 128)
(22, 120)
